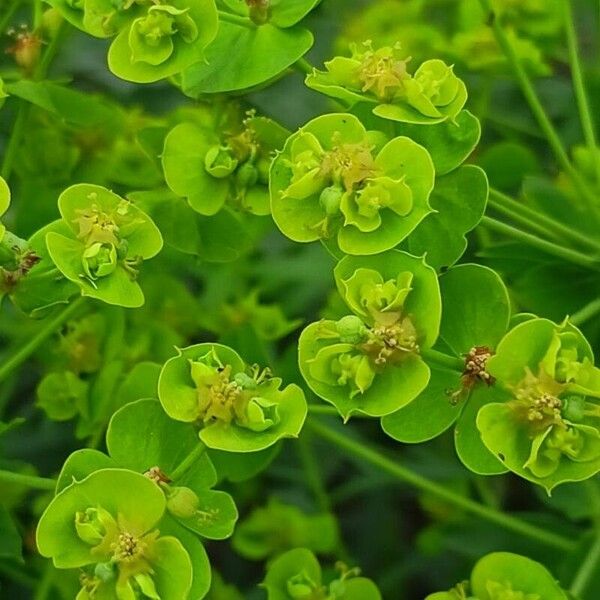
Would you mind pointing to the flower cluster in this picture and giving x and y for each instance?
(153, 40)
(369, 362)
(101, 242)
(433, 93)
(334, 179)
(238, 408)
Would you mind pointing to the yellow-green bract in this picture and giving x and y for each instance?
(547, 428)
(238, 408)
(334, 180)
(369, 362)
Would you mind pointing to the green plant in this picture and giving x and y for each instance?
(219, 290)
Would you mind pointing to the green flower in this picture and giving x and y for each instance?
(296, 575)
(153, 40)
(336, 180)
(548, 428)
(226, 162)
(238, 409)
(106, 525)
(506, 576)
(107, 240)
(370, 362)
(431, 95)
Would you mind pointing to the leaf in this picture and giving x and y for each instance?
(523, 575)
(261, 54)
(195, 549)
(429, 414)
(242, 467)
(460, 199)
(4, 198)
(80, 464)
(10, 540)
(450, 143)
(140, 382)
(141, 436)
(183, 161)
(470, 448)
(215, 517)
(476, 308)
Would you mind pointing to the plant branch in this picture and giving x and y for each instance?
(443, 360)
(236, 19)
(589, 311)
(537, 108)
(312, 472)
(587, 568)
(572, 256)
(19, 357)
(509, 205)
(304, 66)
(585, 114)
(188, 462)
(395, 469)
(32, 481)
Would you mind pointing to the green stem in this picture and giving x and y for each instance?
(585, 114)
(587, 569)
(37, 340)
(572, 256)
(188, 462)
(312, 472)
(586, 313)
(498, 199)
(17, 574)
(536, 106)
(50, 53)
(443, 360)
(304, 66)
(8, 15)
(46, 584)
(361, 452)
(38, 483)
(15, 140)
(236, 19)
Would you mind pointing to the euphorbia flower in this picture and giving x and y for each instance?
(381, 77)
(548, 428)
(370, 362)
(238, 408)
(334, 179)
(108, 526)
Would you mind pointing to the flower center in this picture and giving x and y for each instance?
(349, 164)
(383, 72)
(391, 343)
(475, 366)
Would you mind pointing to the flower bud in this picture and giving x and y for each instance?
(26, 50)
(261, 414)
(260, 11)
(93, 524)
(99, 260)
(219, 162)
(105, 571)
(351, 329)
(247, 176)
(245, 381)
(182, 502)
(51, 22)
(12, 248)
(574, 408)
(331, 198)
(301, 586)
